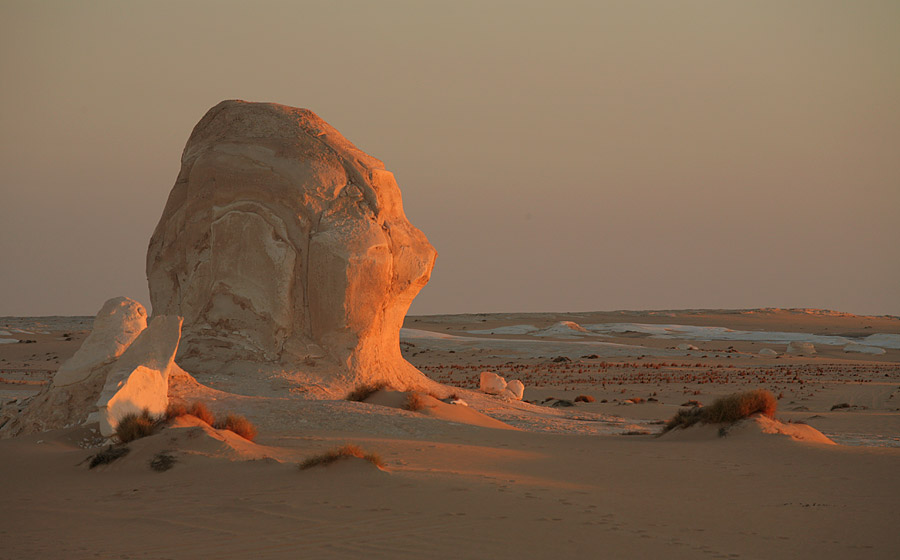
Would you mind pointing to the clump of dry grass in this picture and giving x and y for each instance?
(174, 410)
(108, 455)
(584, 398)
(136, 426)
(162, 461)
(365, 390)
(338, 454)
(239, 425)
(414, 401)
(233, 422)
(726, 410)
(199, 410)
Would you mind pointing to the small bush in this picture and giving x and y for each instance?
(414, 402)
(136, 426)
(584, 398)
(365, 390)
(162, 462)
(239, 425)
(338, 454)
(108, 455)
(726, 410)
(173, 411)
(233, 422)
(199, 410)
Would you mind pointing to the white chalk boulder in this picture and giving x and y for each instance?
(118, 323)
(139, 380)
(516, 389)
(768, 352)
(283, 244)
(685, 346)
(491, 383)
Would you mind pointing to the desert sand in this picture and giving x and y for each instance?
(502, 478)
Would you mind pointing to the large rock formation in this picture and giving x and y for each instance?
(282, 245)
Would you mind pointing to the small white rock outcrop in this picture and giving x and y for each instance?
(516, 389)
(797, 347)
(121, 368)
(768, 352)
(118, 323)
(139, 380)
(863, 349)
(493, 384)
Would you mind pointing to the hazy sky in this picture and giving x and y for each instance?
(560, 156)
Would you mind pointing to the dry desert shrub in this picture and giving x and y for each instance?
(135, 426)
(107, 456)
(162, 461)
(584, 398)
(239, 425)
(365, 390)
(199, 410)
(175, 410)
(726, 410)
(233, 422)
(344, 452)
(414, 402)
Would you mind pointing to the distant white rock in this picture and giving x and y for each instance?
(564, 329)
(863, 349)
(118, 323)
(8, 340)
(685, 346)
(491, 383)
(768, 352)
(883, 340)
(798, 347)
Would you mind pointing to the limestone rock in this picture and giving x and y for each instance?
(139, 379)
(863, 349)
(281, 244)
(491, 383)
(686, 346)
(118, 323)
(798, 347)
(516, 388)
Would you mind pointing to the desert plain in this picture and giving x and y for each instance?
(492, 476)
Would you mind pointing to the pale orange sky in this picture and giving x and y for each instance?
(560, 156)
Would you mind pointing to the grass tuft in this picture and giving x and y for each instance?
(726, 410)
(239, 425)
(136, 426)
(174, 410)
(162, 461)
(338, 454)
(108, 455)
(199, 410)
(365, 390)
(414, 401)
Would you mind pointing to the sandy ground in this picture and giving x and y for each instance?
(589, 480)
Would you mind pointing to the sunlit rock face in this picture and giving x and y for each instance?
(284, 244)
